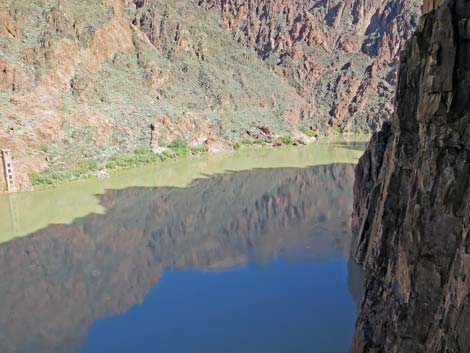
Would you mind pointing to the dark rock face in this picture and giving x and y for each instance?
(412, 203)
(367, 172)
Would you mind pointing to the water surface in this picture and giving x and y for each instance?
(251, 260)
(24, 213)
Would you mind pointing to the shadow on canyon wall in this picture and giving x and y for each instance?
(56, 282)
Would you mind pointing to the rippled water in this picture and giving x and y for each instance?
(251, 260)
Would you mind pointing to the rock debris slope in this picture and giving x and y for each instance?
(86, 79)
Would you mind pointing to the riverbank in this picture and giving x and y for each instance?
(178, 149)
(28, 212)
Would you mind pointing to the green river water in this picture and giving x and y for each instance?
(25, 213)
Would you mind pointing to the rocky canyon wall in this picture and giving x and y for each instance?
(412, 207)
(85, 79)
(341, 55)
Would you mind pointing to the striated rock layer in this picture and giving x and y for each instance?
(412, 203)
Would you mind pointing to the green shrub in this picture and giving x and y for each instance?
(83, 169)
(198, 150)
(166, 156)
(141, 150)
(49, 178)
(310, 132)
(44, 148)
(125, 161)
(237, 145)
(286, 140)
(140, 158)
(87, 165)
(40, 179)
(179, 147)
(64, 109)
(262, 141)
(336, 130)
(179, 143)
(111, 165)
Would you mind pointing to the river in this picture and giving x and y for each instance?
(238, 252)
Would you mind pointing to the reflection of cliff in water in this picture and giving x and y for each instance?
(356, 278)
(55, 283)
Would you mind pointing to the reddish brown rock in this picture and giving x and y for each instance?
(430, 5)
(266, 130)
(290, 35)
(90, 86)
(8, 27)
(8, 75)
(75, 86)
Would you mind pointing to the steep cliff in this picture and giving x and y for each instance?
(339, 54)
(413, 198)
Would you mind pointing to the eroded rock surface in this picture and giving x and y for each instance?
(412, 213)
(339, 54)
(87, 79)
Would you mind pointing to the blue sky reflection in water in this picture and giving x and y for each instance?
(279, 307)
